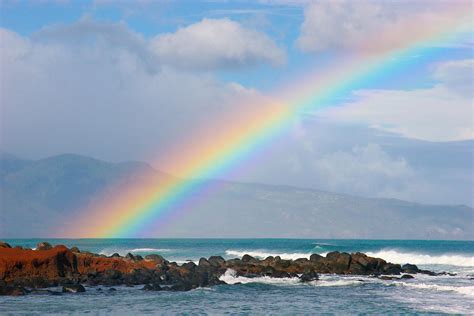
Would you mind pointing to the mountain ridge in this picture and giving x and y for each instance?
(40, 194)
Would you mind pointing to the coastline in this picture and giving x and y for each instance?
(24, 271)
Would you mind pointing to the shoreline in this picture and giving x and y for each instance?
(24, 271)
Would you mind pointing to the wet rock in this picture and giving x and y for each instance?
(155, 258)
(152, 287)
(73, 288)
(203, 262)
(129, 256)
(407, 276)
(75, 250)
(115, 255)
(249, 259)
(12, 290)
(182, 286)
(216, 261)
(315, 257)
(44, 246)
(388, 278)
(112, 289)
(4, 245)
(309, 276)
(410, 268)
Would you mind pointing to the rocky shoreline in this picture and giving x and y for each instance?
(26, 271)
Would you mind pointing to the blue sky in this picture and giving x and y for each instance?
(107, 73)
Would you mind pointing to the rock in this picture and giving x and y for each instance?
(410, 268)
(155, 258)
(73, 288)
(388, 278)
(112, 289)
(315, 257)
(18, 247)
(309, 276)
(216, 261)
(44, 246)
(115, 255)
(75, 250)
(249, 259)
(407, 276)
(129, 256)
(12, 290)
(203, 262)
(339, 262)
(4, 245)
(152, 287)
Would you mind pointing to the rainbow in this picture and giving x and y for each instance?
(147, 204)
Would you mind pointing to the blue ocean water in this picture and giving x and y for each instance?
(331, 294)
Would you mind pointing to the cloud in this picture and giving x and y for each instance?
(441, 113)
(364, 171)
(106, 95)
(354, 25)
(217, 43)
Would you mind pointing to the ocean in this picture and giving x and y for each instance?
(331, 294)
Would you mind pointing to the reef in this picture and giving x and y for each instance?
(24, 271)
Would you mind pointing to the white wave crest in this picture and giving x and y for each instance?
(230, 277)
(465, 290)
(395, 256)
(150, 250)
(262, 254)
(123, 252)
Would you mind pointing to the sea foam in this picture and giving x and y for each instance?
(262, 254)
(401, 257)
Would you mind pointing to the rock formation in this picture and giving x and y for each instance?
(24, 270)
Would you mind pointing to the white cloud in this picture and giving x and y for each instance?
(217, 43)
(358, 25)
(63, 87)
(364, 171)
(441, 113)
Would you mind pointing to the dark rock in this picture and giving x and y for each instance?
(155, 258)
(410, 268)
(113, 274)
(315, 257)
(4, 245)
(152, 287)
(182, 286)
(129, 256)
(44, 246)
(189, 266)
(112, 289)
(249, 259)
(18, 247)
(407, 276)
(115, 255)
(309, 276)
(388, 278)
(12, 290)
(75, 250)
(203, 262)
(216, 261)
(73, 288)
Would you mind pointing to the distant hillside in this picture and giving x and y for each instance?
(39, 196)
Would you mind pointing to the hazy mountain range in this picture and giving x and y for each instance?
(45, 196)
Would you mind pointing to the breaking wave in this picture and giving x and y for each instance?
(424, 259)
(123, 252)
(262, 254)
(465, 290)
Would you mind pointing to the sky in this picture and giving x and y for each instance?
(127, 80)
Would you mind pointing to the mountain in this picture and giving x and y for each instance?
(39, 196)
